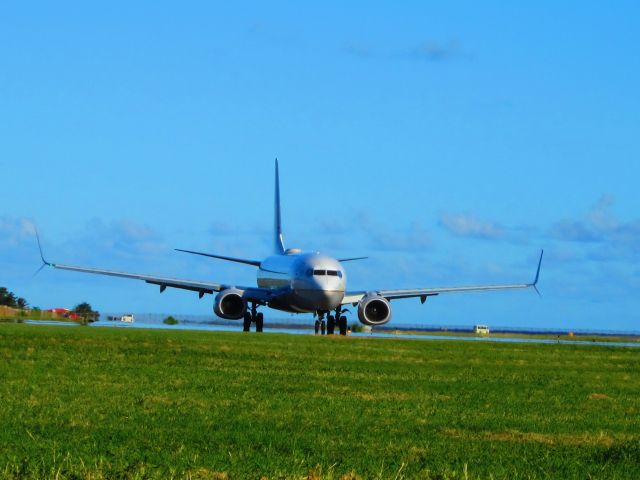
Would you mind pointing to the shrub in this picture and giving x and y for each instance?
(170, 321)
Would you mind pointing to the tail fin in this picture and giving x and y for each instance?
(277, 227)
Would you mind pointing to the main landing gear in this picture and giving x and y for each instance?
(253, 317)
(333, 321)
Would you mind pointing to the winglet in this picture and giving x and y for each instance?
(44, 262)
(535, 281)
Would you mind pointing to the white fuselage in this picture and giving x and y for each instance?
(308, 282)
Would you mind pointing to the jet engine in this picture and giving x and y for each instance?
(374, 310)
(229, 304)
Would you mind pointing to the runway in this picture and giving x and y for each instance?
(292, 331)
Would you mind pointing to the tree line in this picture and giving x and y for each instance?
(10, 299)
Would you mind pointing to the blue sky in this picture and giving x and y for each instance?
(448, 141)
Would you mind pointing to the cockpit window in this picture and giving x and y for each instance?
(332, 273)
(319, 272)
(339, 274)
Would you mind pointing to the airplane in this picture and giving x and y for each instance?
(294, 281)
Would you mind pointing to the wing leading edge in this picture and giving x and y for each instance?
(423, 293)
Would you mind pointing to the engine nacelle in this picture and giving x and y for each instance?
(229, 304)
(374, 310)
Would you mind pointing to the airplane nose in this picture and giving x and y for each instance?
(319, 294)
(320, 285)
(320, 299)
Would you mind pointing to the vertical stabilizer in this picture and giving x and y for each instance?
(277, 226)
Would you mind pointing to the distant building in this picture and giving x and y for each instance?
(64, 312)
(127, 318)
(481, 329)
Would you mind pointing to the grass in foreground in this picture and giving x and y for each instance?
(537, 336)
(114, 403)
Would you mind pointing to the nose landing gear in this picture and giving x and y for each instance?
(338, 320)
(253, 317)
(320, 325)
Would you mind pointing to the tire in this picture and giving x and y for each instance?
(259, 322)
(317, 326)
(331, 325)
(323, 327)
(343, 325)
(246, 327)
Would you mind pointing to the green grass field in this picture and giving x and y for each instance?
(83, 402)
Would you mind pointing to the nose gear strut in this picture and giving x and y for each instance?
(320, 325)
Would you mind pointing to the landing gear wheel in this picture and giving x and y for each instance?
(259, 322)
(323, 327)
(317, 326)
(246, 327)
(342, 324)
(331, 325)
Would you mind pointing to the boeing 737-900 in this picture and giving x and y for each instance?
(295, 281)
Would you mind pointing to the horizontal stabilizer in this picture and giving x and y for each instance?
(222, 257)
(351, 259)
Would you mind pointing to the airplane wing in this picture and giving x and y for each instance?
(423, 293)
(258, 295)
(251, 293)
(163, 282)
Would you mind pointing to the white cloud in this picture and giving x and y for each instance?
(14, 231)
(426, 51)
(600, 217)
(613, 239)
(468, 225)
